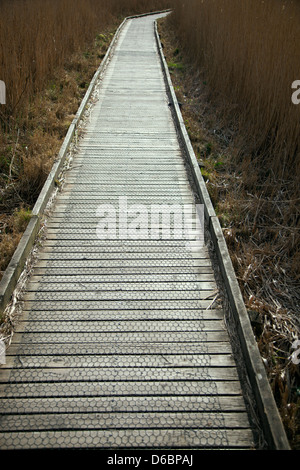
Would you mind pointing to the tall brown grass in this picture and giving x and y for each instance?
(250, 53)
(36, 36)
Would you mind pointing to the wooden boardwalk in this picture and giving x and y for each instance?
(118, 345)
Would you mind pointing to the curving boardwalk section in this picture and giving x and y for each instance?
(119, 344)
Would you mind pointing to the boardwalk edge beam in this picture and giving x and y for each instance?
(269, 415)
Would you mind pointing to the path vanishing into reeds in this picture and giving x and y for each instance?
(120, 344)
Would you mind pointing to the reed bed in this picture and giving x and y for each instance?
(250, 53)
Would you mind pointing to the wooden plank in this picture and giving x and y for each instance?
(135, 404)
(61, 326)
(125, 337)
(105, 348)
(167, 361)
(116, 374)
(118, 439)
(153, 264)
(120, 295)
(42, 268)
(155, 279)
(120, 304)
(107, 388)
(122, 315)
(128, 420)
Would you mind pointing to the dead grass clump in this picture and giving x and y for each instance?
(9, 242)
(33, 176)
(11, 229)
